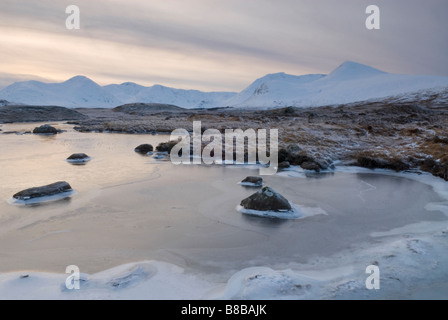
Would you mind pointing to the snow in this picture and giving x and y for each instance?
(350, 82)
(81, 92)
(78, 91)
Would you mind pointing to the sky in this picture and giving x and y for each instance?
(216, 45)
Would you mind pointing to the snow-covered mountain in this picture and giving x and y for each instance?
(350, 82)
(129, 92)
(78, 91)
(81, 92)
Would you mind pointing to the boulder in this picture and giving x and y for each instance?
(267, 199)
(284, 165)
(45, 129)
(166, 146)
(144, 149)
(310, 165)
(78, 157)
(252, 181)
(44, 191)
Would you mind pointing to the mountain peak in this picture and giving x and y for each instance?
(79, 79)
(350, 69)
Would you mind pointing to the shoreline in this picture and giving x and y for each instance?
(397, 135)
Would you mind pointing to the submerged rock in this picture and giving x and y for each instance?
(78, 158)
(44, 191)
(252, 181)
(144, 149)
(267, 199)
(45, 129)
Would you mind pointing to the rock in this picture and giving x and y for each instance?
(166, 146)
(45, 129)
(310, 165)
(144, 149)
(44, 191)
(436, 168)
(266, 200)
(392, 164)
(284, 165)
(252, 181)
(78, 158)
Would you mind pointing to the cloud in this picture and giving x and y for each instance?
(217, 44)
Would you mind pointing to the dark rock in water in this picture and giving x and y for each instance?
(284, 165)
(252, 181)
(45, 129)
(166, 146)
(78, 157)
(310, 165)
(144, 148)
(267, 199)
(44, 191)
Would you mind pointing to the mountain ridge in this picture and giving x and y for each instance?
(349, 82)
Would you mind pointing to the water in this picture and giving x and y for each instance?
(130, 207)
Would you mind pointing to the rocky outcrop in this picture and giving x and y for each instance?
(267, 199)
(44, 191)
(295, 156)
(144, 148)
(381, 163)
(438, 169)
(45, 129)
(252, 181)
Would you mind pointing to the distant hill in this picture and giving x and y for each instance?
(20, 113)
(144, 108)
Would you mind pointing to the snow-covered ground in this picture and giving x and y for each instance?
(350, 82)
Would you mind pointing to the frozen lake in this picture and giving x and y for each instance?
(130, 208)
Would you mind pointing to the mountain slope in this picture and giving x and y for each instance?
(350, 82)
(81, 92)
(130, 93)
(78, 91)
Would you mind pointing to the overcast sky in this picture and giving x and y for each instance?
(216, 44)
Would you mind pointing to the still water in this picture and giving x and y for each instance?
(129, 207)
